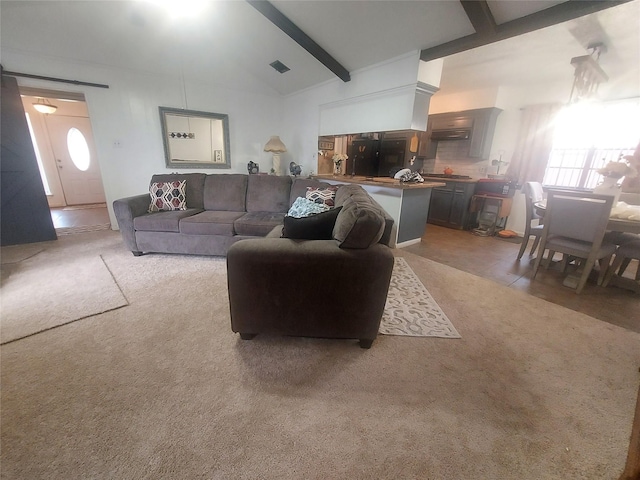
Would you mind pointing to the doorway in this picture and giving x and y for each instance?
(66, 154)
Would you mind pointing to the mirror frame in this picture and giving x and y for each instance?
(164, 111)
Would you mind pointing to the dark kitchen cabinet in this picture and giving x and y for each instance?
(480, 123)
(450, 205)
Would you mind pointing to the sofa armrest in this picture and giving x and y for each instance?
(125, 210)
(307, 288)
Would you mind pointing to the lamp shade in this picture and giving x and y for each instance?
(44, 106)
(275, 145)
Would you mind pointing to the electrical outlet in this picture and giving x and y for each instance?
(117, 143)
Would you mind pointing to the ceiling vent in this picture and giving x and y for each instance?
(279, 66)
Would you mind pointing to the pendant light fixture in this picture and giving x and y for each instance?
(44, 106)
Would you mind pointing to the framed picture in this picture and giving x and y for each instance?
(324, 145)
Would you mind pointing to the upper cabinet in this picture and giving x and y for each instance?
(475, 127)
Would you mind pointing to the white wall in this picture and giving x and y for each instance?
(127, 112)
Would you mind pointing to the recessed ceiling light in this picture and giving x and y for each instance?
(279, 66)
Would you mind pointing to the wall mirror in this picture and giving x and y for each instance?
(195, 139)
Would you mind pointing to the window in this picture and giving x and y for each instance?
(43, 175)
(78, 149)
(586, 137)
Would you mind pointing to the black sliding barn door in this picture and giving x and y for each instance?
(24, 212)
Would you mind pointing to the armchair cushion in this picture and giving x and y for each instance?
(358, 225)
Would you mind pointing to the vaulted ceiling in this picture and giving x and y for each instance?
(233, 43)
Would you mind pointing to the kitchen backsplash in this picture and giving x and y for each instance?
(453, 154)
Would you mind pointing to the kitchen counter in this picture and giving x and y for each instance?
(407, 203)
(381, 181)
(449, 179)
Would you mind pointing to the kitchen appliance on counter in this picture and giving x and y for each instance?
(499, 187)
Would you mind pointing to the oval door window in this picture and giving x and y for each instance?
(78, 149)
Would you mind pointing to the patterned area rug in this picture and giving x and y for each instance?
(82, 229)
(410, 308)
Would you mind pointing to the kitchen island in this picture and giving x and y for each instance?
(407, 203)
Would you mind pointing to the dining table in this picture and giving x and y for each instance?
(624, 217)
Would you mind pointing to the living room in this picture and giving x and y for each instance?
(120, 395)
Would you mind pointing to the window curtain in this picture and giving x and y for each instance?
(535, 141)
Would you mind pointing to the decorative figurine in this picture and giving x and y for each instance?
(253, 167)
(295, 169)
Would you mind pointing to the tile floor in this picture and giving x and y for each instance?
(495, 259)
(67, 220)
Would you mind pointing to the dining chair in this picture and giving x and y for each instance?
(624, 254)
(532, 193)
(574, 225)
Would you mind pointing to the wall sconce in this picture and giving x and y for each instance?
(276, 147)
(44, 106)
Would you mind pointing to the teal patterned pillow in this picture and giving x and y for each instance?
(303, 208)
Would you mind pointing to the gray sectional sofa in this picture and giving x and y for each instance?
(221, 210)
(333, 287)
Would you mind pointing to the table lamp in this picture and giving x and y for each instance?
(276, 147)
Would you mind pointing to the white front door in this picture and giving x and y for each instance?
(75, 154)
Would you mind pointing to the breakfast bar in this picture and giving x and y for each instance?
(407, 203)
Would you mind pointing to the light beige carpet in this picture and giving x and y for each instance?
(49, 289)
(162, 389)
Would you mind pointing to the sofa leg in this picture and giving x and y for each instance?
(136, 253)
(366, 342)
(247, 336)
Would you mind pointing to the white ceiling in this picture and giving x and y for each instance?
(233, 43)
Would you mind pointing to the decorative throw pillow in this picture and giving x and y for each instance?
(167, 196)
(326, 196)
(314, 227)
(303, 208)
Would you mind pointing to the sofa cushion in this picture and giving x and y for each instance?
(322, 195)
(195, 186)
(258, 223)
(347, 191)
(225, 192)
(268, 193)
(314, 227)
(167, 196)
(303, 207)
(359, 224)
(210, 223)
(163, 221)
(300, 185)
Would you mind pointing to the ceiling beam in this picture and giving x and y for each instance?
(480, 16)
(267, 9)
(562, 12)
